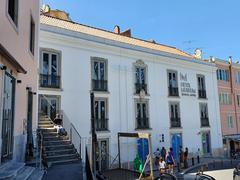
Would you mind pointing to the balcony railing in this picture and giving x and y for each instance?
(50, 81)
(202, 94)
(204, 122)
(101, 124)
(175, 122)
(99, 85)
(173, 91)
(142, 123)
(139, 87)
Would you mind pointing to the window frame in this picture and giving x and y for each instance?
(106, 112)
(32, 35)
(230, 123)
(141, 102)
(14, 22)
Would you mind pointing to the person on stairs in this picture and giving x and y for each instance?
(58, 125)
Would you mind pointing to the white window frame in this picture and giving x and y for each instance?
(230, 121)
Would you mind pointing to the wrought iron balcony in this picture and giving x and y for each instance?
(173, 91)
(142, 123)
(175, 122)
(49, 81)
(204, 122)
(101, 124)
(99, 85)
(139, 87)
(202, 94)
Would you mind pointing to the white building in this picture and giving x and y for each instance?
(139, 86)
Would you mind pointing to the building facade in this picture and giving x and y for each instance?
(228, 76)
(18, 77)
(139, 86)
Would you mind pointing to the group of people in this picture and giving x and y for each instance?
(165, 159)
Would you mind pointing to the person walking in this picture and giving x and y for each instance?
(162, 166)
(163, 153)
(157, 156)
(186, 158)
(181, 157)
(170, 161)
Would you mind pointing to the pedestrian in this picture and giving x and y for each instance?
(163, 153)
(170, 161)
(157, 156)
(181, 155)
(185, 159)
(162, 166)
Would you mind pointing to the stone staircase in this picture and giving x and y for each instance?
(57, 149)
(18, 171)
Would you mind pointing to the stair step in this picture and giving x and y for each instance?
(45, 122)
(10, 170)
(61, 157)
(25, 173)
(53, 138)
(58, 147)
(48, 130)
(64, 161)
(36, 175)
(60, 152)
(58, 142)
(41, 126)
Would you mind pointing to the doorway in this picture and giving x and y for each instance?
(49, 106)
(102, 153)
(8, 117)
(206, 143)
(176, 144)
(29, 150)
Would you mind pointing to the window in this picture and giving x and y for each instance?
(174, 112)
(225, 98)
(99, 74)
(201, 86)
(32, 36)
(238, 99)
(204, 114)
(140, 83)
(237, 77)
(142, 117)
(13, 10)
(172, 83)
(223, 74)
(101, 114)
(50, 70)
(230, 121)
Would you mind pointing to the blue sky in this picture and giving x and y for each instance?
(212, 25)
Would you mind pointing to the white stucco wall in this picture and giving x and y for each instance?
(76, 86)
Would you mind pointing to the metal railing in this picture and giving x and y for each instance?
(139, 87)
(99, 85)
(173, 91)
(202, 94)
(204, 122)
(175, 122)
(101, 124)
(49, 81)
(142, 123)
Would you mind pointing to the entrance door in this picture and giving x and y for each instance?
(8, 117)
(49, 106)
(206, 142)
(176, 143)
(29, 150)
(102, 154)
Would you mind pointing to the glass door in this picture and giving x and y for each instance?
(8, 117)
(49, 106)
(102, 155)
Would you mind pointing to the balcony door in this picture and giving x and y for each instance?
(206, 142)
(102, 154)
(99, 74)
(101, 115)
(8, 117)
(176, 144)
(50, 70)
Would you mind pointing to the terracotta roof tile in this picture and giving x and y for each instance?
(51, 21)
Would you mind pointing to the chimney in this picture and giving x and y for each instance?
(117, 29)
(230, 60)
(152, 41)
(126, 33)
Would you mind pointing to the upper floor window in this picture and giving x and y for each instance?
(101, 114)
(50, 70)
(140, 77)
(142, 116)
(238, 99)
(237, 77)
(223, 74)
(229, 121)
(201, 86)
(172, 83)
(174, 111)
(225, 98)
(204, 114)
(13, 10)
(99, 74)
(32, 36)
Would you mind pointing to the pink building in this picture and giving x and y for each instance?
(228, 75)
(18, 77)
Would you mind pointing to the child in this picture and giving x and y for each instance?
(162, 166)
